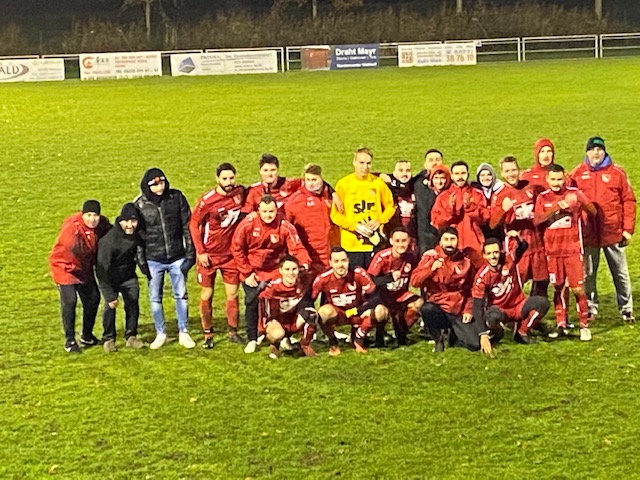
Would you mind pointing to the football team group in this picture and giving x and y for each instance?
(379, 253)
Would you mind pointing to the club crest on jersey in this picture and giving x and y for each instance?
(407, 268)
(256, 232)
(310, 203)
(351, 286)
(274, 237)
(505, 271)
(237, 199)
(529, 193)
(606, 178)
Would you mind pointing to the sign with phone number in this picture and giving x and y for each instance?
(428, 55)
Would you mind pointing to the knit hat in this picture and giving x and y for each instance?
(540, 143)
(594, 142)
(91, 206)
(129, 212)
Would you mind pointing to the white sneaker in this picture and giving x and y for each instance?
(585, 334)
(161, 339)
(251, 347)
(342, 336)
(261, 339)
(185, 340)
(285, 345)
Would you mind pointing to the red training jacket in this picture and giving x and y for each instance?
(257, 246)
(611, 193)
(76, 250)
(465, 218)
(310, 213)
(448, 286)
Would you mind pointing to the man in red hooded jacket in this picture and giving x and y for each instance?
(446, 275)
(606, 185)
(544, 156)
(71, 262)
(257, 246)
(309, 210)
(463, 207)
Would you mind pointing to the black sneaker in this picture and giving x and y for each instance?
(559, 332)
(380, 340)
(628, 317)
(402, 339)
(542, 329)
(235, 338)
(524, 339)
(208, 342)
(72, 347)
(90, 341)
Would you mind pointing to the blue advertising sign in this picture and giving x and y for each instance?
(355, 56)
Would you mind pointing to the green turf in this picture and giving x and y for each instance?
(555, 409)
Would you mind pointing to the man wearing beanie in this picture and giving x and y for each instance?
(544, 156)
(118, 251)
(610, 229)
(71, 262)
(168, 249)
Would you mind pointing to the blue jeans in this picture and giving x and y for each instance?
(179, 286)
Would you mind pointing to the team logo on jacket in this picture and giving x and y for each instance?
(606, 178)
(274, 237)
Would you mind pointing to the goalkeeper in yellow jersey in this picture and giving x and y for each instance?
(368, 204)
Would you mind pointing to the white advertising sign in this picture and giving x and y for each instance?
(420, 55)
(460, 53)
(427, 55)
(224, 63)
(111, 66)
(32, 70)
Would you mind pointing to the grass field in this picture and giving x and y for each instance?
(552, 410)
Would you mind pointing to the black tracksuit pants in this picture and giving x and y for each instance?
(90, 299)
(130, 291)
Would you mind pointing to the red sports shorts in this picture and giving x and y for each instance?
(228, 270)
(566, 269)
(533, 266)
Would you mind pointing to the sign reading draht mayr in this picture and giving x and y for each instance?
(355, 56)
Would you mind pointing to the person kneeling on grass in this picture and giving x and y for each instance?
(71, 262)
(286, 308)
(497, 293)
(347, 293)
(446, 274)
(118, 251)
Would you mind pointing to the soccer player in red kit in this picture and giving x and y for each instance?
(497, 291)
(346, 292)
(287, 308)
(512, 207)
(309, 211)
(445, 274)
(280, 188)
(213, 221)
(544, 155)
(391, 270)
(560, 210)
(463, 207)
(257, 246)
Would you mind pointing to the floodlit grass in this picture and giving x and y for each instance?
(555, 409)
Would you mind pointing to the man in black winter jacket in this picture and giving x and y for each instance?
(425, 198)
(168, 248)
(118, 252)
